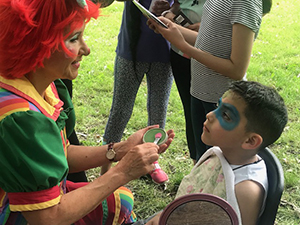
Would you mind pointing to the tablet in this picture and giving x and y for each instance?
(148, 14)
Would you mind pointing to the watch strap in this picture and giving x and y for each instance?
(110, 146)
(111, 150)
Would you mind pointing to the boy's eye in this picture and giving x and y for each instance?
(226, 116)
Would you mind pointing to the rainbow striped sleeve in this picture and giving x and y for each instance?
(24, 201)
(10, 103)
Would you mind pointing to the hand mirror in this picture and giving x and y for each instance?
(199, 209)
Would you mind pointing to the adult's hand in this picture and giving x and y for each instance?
(170, 15)
(163, 147)
(160, 6)
(138, 161)
(137, 138)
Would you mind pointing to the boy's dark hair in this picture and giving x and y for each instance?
(265, 110)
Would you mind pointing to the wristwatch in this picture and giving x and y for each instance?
(110, 154)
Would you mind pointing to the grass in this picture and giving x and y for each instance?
(275, 61)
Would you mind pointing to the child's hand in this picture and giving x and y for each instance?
(194, 26)
(172, 33)
(153, 25)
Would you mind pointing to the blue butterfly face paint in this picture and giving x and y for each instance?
(227, 115)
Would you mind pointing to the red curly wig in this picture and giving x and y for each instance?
(31, 30)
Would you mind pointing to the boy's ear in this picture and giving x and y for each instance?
(253, 141)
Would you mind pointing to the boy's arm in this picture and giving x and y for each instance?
(250, 198)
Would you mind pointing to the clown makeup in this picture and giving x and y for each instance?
(69, 42)
(65, 62)
(227, 115)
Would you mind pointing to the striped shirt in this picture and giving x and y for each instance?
(215, 36)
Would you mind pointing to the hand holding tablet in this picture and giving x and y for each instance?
(148, 14)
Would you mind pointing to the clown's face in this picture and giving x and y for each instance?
(62, 66)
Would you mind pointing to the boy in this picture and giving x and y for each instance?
(249, 117)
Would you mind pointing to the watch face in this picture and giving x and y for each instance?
(110, 154)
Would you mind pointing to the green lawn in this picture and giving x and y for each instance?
(275, 62)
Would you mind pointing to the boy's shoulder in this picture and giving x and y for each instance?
(250, 197)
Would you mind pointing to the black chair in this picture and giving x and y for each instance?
(276, 186)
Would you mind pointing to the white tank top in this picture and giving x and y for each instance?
(254, 171)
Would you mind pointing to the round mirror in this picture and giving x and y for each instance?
(199, 209)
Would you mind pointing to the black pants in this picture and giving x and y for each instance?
(199, 110)
(73, 139)
(181, 68)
